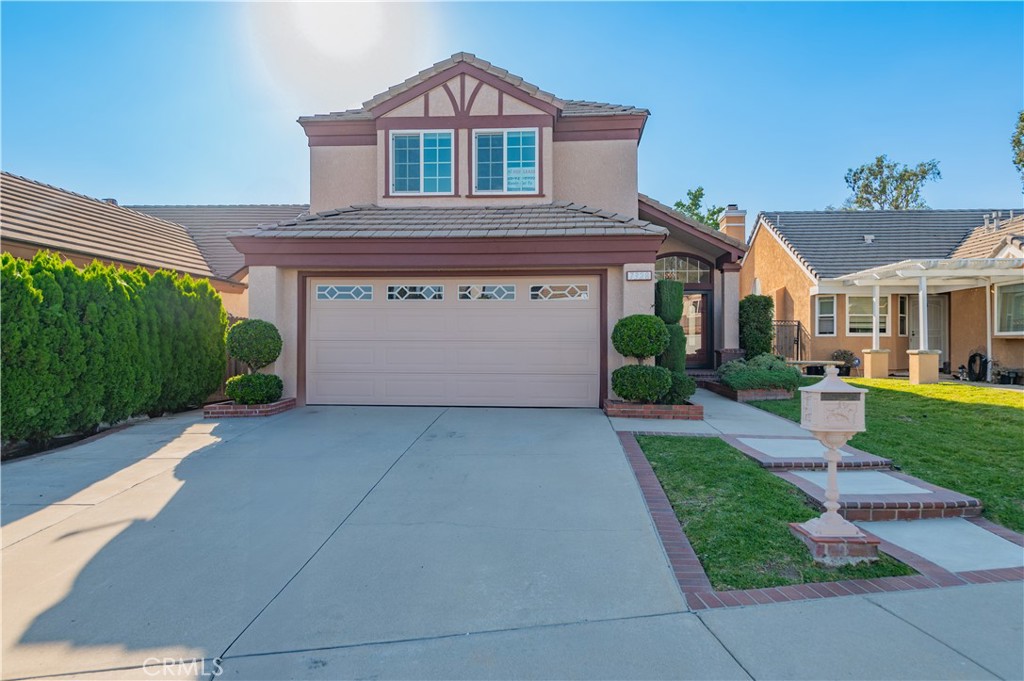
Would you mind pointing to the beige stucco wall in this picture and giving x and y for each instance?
(236, 304)
(822, 347)
(342, 176)
(600, 173)
(967, 331)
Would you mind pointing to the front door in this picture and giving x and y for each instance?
(696, 323)
(938, 325)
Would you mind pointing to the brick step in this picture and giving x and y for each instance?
(793, 453)
(884, 495)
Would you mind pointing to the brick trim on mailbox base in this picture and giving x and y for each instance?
(837, 550)
(635, 410)
(222, 410)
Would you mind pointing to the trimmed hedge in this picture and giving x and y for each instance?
(760, 373)
(640, 336)
(682, 389)
(641, 383)
(674, 357)
(81, 347)
(756, 329)
(255, 342)
(254, 388)
(668, 301)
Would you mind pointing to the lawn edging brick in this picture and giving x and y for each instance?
(745, 395)
(220, 410)
(635, 410)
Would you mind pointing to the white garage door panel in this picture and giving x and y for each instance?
(518, 352)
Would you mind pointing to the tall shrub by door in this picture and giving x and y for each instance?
(756, 330)
(81, 347)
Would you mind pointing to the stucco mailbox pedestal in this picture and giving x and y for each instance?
(833, 412)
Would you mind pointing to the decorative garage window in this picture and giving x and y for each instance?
(487, 292)
(505, 161)
(415, 292)
(421, 162)
(337, 292)
(560, 292)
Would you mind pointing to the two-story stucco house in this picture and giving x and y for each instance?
(472, 240)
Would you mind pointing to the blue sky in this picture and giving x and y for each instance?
(764, 104)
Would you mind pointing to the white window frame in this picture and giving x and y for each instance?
(817, 315)
(887, 316)
(504, 179)
(903, 315)
(391, 163)
(998, 316)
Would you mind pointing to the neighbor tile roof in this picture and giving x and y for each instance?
(832, 243)
(558, 219)
(44, 216)
(209, 226)
(568, 107)
(987, 240)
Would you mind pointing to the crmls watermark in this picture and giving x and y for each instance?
(178, 667)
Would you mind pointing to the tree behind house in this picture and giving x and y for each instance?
(887, 185)
(694, 207)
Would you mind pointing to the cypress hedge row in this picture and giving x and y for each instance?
(81, 347)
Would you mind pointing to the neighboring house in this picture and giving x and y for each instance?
(929, 269)
(472, 241)
(36, 216)
(209, 226)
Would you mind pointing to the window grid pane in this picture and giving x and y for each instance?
(407, 163)
(560, 292)
(487, 292)
(437, 162)
(415, 292)
(521, 149)
(338, 292)
(681, 268)
(490, 162)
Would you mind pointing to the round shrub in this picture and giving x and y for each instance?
(255, 342)
(668, 301)
(640, 335)
(254, 388)
(641, 383)
(682, 389)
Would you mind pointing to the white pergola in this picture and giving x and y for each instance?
(929, 276)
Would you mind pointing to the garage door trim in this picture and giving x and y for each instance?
(304, 277)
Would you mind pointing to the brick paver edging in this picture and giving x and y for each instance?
(700, 595)
(634, 410)
(230, 409)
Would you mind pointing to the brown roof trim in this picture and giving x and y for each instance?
(339, 133)
(659, 213)
(578, 128)
(448, 252)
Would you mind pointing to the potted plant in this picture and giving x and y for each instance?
(848, 359)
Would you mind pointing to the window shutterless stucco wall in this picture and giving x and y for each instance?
(967, 331)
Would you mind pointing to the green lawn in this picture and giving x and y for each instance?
(736, 515)
(961, 437)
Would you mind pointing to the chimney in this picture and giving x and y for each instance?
(112, 202)
(733, 222)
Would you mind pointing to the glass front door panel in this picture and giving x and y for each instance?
(695, 326)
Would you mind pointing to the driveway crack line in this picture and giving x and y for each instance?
(441, 637)
(933, 637)
(724, 647)
(331, 535)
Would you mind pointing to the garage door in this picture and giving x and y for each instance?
(513, 341)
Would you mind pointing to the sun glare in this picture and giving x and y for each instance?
(322, 57)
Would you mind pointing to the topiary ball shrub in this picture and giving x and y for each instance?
(254, 388)
(640, 335)
(682, 389)
(641, 383)
(668, 301)
(255, 342)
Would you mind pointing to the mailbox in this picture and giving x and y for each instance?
(832, 406)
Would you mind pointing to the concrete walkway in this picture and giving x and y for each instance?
(337, 543)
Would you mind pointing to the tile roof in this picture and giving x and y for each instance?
(568, 107)
(209, 226)
(987, 240)
(557, 219)
(833, 243)
(45, 216)
(696, 224)
(472, 59)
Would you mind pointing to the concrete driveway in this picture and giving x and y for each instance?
(339, 542)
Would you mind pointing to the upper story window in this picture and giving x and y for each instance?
(505, 161)
(421, 162)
